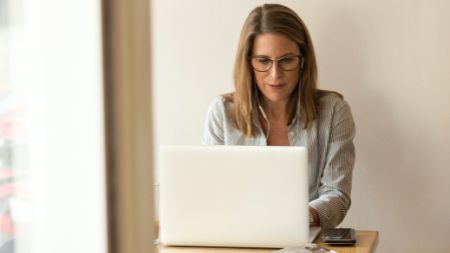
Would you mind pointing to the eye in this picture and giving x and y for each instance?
(263, 60)
(287, 60)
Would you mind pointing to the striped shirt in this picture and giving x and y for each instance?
(329, 141)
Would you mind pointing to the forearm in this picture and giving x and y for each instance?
(329, 209)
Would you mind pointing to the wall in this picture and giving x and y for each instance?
(391, 60)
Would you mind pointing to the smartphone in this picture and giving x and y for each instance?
(344, 236)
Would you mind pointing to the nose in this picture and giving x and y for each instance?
(275, 72)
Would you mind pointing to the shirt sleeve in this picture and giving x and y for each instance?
(336, 181)
(213, 133)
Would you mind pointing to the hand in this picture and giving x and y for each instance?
(315, 217)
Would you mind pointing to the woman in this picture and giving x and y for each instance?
(276, 102)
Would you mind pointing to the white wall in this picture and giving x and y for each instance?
(391, 60)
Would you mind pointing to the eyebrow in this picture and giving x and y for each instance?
(284, 55)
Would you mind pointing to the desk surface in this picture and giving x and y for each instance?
(366, 243)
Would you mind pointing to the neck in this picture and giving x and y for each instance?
(275, 110)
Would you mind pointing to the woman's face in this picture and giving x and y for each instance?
(276, 84)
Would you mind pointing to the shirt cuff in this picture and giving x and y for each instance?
(331, 210)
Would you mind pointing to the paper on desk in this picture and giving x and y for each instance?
(309, 248)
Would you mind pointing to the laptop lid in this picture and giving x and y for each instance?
(233, 196)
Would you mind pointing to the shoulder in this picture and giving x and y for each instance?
(219, 108)
(333, 108)
(332, 102)
(219, 104)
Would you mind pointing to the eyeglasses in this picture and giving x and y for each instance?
(262, 63)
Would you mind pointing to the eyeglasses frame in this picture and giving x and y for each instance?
(302, 59)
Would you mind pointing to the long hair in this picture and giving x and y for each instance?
(276, 19)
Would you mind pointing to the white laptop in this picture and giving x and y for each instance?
(233, 196)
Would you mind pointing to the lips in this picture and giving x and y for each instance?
(276, 85)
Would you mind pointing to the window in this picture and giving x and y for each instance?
(52, 168)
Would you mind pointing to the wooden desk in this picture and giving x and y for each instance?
(367, 243)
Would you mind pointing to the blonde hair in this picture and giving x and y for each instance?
(276, 19)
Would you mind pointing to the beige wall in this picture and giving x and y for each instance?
(391, 60)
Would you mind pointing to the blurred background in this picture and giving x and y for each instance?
(391, 61)
(52, 189)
